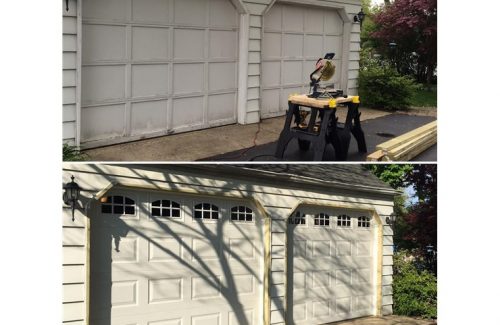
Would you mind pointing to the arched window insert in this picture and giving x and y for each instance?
(297, 219)
(241, 213)
(206, 211)
(344, 221)
(117, 205)
(166, 208)
(364, 222)
(322, 219)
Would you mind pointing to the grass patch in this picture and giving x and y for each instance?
(71, 153)
(425, 97)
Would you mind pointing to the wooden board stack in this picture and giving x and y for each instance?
(406, 146)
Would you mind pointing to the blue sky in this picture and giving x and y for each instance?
(410, 194)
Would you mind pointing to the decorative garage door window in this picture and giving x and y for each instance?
(364, 222)
(166, 208)
(241, 213)
(298, 219)
(344, 221)
(322, 219)
(117, 205)
(206, 211)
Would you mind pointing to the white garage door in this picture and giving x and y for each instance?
(163, 259)
(154, 67)
(294, 38)
(333, 266)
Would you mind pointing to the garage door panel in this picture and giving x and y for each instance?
(148, 116)
(105, 9)
(333, 43)
(293, 45)
(271, 47)
(334, 24)
(103, 121)
(270, 100)
(150, 43)
(124, 293)
(221, 107)
(103, 83)
(271, 72)
(151, 11)
(223, 14)
(190, 12)
(314, 21)
(293, 19)
(188, 78)
(223, 44)
(164, 249)
(292, 72)
(222, 76)
(314, 47)
(150, 80)
(103, 43)
(194, 49)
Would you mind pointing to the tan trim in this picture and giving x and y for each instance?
(87, 275)
(267, 270)
(380, 252)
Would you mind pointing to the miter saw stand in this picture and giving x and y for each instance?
(322, 104)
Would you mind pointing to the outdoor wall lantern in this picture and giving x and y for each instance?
(359, 17)
(391, 220)
(71, 195)
(392, 45)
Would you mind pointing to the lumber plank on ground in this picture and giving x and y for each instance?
(397, 141)
(406, 146)
(375, 156)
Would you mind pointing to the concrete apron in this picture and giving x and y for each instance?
(196, 145)
(386, 320)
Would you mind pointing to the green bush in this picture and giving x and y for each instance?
(71, 153)
(380, 85)
(414, 291)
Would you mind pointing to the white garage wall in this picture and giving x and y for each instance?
(69, 71)
(250, 101)
(278, 203)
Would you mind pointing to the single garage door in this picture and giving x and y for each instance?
(333, 266)
(294, 38)
(164, 259)
(154, 67)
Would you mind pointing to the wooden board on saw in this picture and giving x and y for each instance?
(317, 102)
(406, 146)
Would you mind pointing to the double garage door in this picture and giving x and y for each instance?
(154, 67)
(164, 259)
(160, 259)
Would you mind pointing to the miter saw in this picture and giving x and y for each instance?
(325, 69)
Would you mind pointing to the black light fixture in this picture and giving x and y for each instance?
(393, 45)
(391, 220)
(71, 195)
(359, 17)
(67, 5)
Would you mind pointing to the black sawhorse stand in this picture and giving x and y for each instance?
(339, 135)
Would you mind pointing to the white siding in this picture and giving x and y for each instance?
(277, 202)
(69, 39)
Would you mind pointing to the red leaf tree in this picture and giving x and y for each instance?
(412, 25)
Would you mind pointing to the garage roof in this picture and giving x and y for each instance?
(347, 174)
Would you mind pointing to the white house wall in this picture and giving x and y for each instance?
(276, 202)
(249, 101)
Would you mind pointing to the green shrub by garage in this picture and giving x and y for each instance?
(380, 86)
(414, 290)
